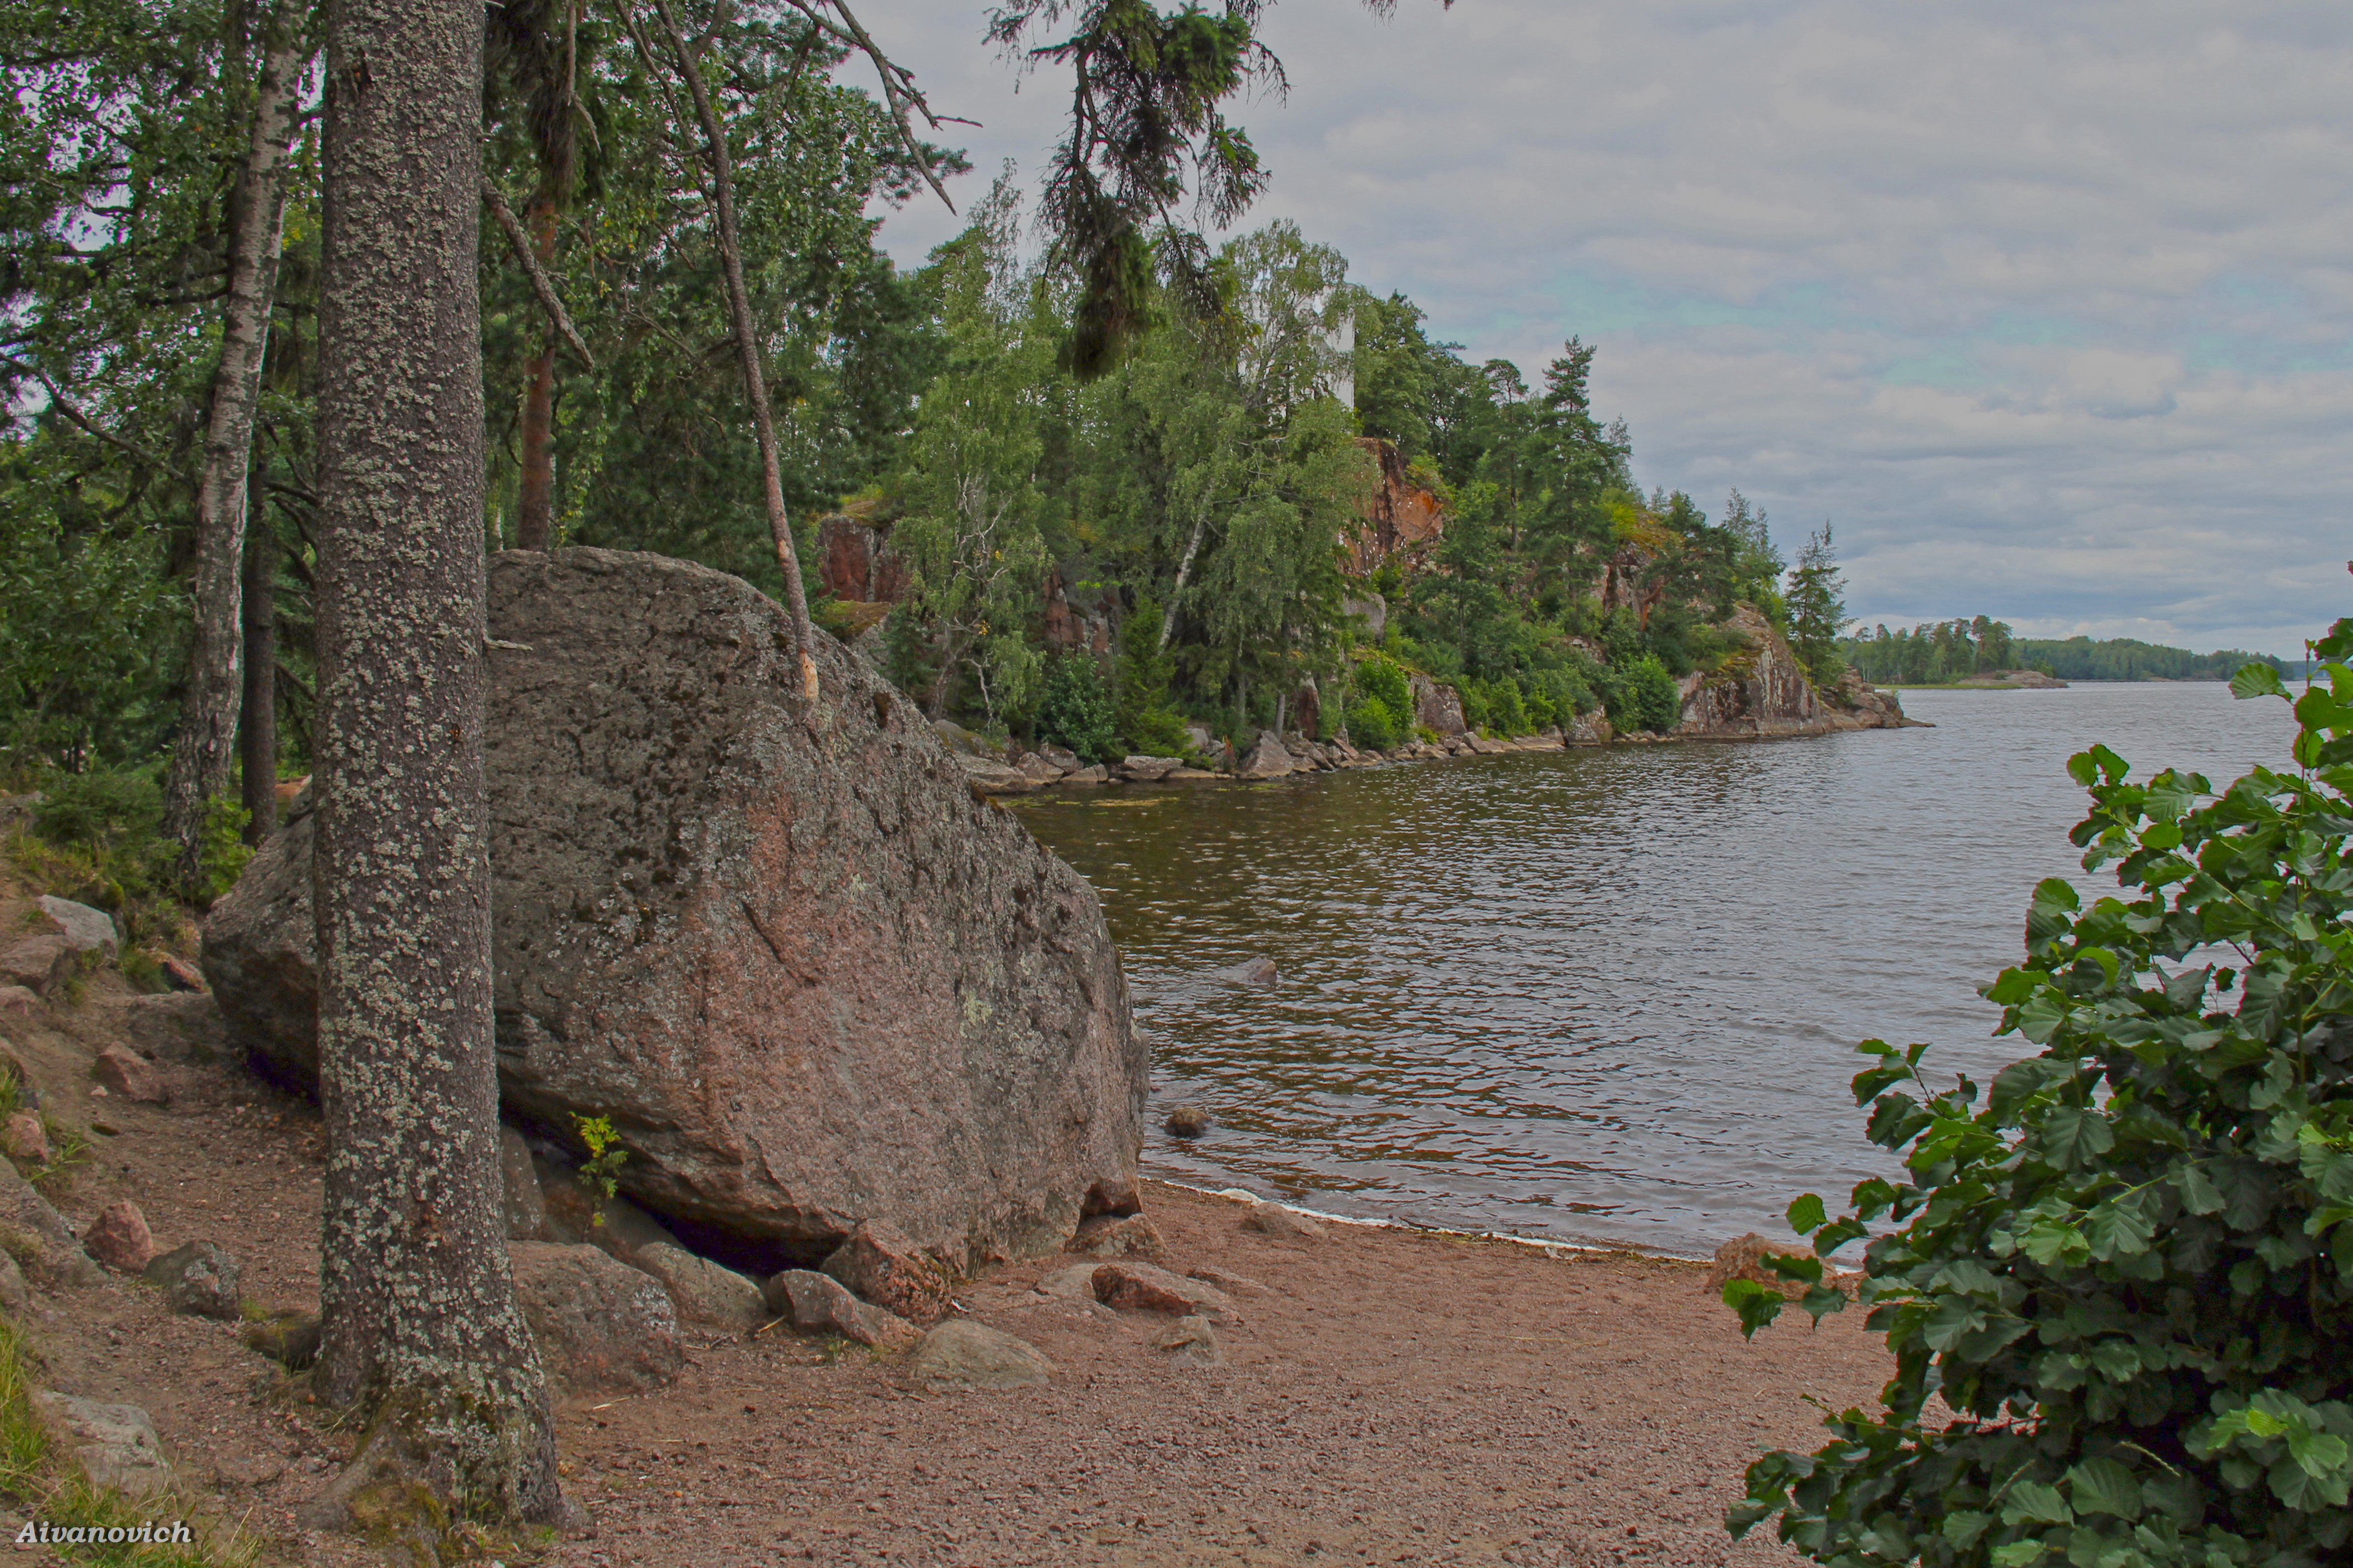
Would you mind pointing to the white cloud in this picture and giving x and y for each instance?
(2048, 307)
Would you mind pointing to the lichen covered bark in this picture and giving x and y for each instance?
(421, 1331)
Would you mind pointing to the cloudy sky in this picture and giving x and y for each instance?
(2046, 307)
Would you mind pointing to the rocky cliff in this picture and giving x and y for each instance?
(1762, 692)
(810, 979)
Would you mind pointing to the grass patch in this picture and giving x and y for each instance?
(44, 1481)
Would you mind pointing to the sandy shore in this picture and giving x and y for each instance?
(1389, 1396)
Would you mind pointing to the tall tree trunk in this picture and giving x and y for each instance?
(204, 745)
(258, 725)
(422, 1339)
(747, 346)
(1184, 572)
(536, 508)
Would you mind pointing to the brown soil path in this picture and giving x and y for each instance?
(1389, 1396)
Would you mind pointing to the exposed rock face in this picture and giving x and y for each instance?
(1402, 519)
(1761, 691)
(1437, 707)
(855, 560)
(1872, 708)
(809, 978)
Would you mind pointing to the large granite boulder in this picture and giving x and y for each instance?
(808, 977)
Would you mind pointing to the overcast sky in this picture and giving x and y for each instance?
(2044, 306)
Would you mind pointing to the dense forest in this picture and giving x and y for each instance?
(1195, 495)
(1938, 652)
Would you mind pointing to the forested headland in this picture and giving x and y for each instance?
(1191, 531)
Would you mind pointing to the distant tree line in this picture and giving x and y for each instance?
(1939, 651)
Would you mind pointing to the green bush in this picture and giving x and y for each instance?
(1074, 710)
(1643, 695)
(1370, 723)
(2128, 1272)
(1381, 677)
(1147, 722)
(1507, 712)
(96, 810)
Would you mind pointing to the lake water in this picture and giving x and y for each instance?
(1600, 996)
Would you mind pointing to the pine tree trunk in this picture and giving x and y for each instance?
(747, 346)
(423, 1341)
(204, 745)
(258, 724)
(536, 508)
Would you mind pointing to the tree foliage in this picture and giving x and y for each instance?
(2126, 1266)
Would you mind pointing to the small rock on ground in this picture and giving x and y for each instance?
(879, 1264)
(129, 1074)
(1141, 1288)
(1231, 1283)
(115, 1444)
(89, 929)
(25, 1138)
(601, 1324)
(197, 1278)
(41, 1238)
(820, 1304)
(1191, 1341)
(961, 1354)
(118, 1237)
(703, 1291)
(1274, 1219)
(1119, 1235)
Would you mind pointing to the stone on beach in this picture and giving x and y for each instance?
(1191, 1341)
(961, 1354)
(1274, 1219)
(880, 1265)
(820, 1304)
(1142, 1287)
(1119, 1235)
(702, 1290)
(114, 1446)
(131, 1076)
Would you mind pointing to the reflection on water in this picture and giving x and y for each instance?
(1604, 994)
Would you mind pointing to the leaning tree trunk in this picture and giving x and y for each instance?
(747, 346)
(204, 746)
(535, 507)
(256, 734)
(422, 1339)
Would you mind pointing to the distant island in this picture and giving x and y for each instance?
(1982, 651)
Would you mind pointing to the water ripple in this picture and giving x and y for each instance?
(1604, 994)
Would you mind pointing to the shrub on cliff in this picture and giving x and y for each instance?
(2129, 1273)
